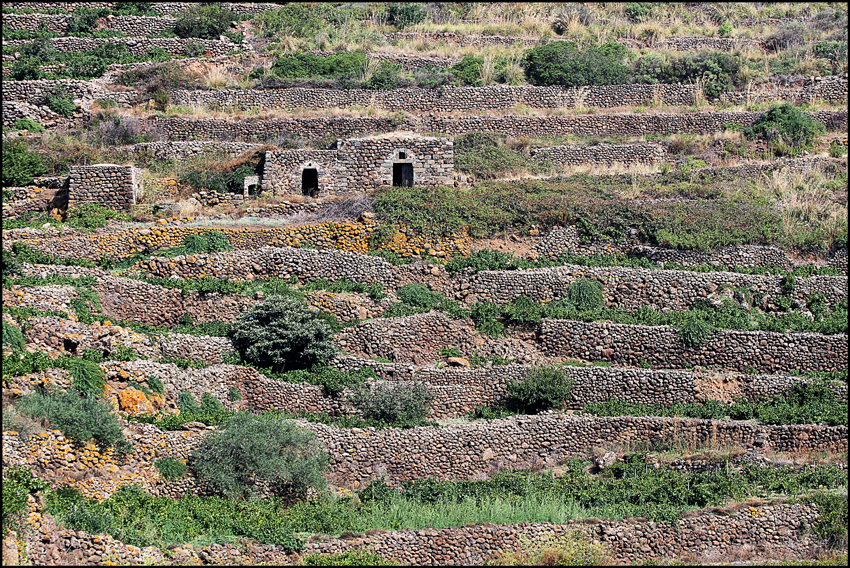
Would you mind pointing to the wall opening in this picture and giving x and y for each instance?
(402, 175)
(310, 182)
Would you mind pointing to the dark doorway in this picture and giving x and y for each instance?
(310, 182)
(402, 175)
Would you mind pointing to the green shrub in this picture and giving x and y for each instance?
(544, 389)
(786, 127)
(333, 380)
(233, 394)
(586, 295)
(186, 403)
(13, 337)
(87, 377)
(60, 102)
(156, 385)
(563, 63)
(480, 260)
(20, 165)
(386, 78)
(79, 418)
(715, 69)
(253, 448)
(695, 332)
(84, 20)
(29, 125)
(206, 22)
(347, 558)
(403, 15)
(305, 65)
(398, 405)
(637, 11)
(92, 216)
(468, 70)
(19, 483)
(725, 30)
(282, 333)
(170, 468)
(523, 310)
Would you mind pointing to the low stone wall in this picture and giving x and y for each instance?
(566, 240)
(186, 150)
(138, 45)
(602, 154)
(342, 127)
(631, 288)
(165, 8)
(110, 185)
(783, 530)
(133, 26)
(767, 352)
(36, 92)
(681, 43)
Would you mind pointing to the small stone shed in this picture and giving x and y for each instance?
(360, 164)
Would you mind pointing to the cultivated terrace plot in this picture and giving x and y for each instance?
(424, 283)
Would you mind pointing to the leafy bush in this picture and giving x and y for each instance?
(523, 310)
(170, 468)
(637, 11)
(544, 389)
(563, 63)
(92, 216)
(586, 294)
(785, 127)
(60, 102)
(333, 380)
(87, 377)
(468, 70)
(695, 331)
(403, 15)
(400, 405)
(304, 65)
(347, 558)
(386, 78)
(480, 260)
(221, 181)
(717, 71)
(156, 385)
(29, 125)
(789, 35)
(19, 483)
(20, 165)
(13, 337)
(250, 448)
(84, 20)
(282, 333)
(79, 418)
(205, 21)
(233, 394)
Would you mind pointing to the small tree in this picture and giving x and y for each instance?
(543, 389)
(563, 63)
(207, 22)
(786, 129)
(282, 333)
(20, 165)
(251, 449)
(586, 295)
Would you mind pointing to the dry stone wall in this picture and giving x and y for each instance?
(602, 154)
(165, 8)
(107, 184)
(137, 45)
(133, 26)
(342, 127)
(631, 288)
(766, 352)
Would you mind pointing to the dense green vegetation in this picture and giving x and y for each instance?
(625, 489)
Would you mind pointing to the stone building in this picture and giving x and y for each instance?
(360, 164)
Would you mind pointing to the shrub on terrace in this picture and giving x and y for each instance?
(786, 129)
(250, 448)
(204, 21)
(395, 404)
(20, 165)
(586, 294)
(282, 333)
(403, 15)
(544, 389)
(563, 63)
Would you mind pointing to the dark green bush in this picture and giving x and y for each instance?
(386, 78)
(695, 332)
(92, 216)
(253, 448)
(523, 310)
(82, 419)
(29, 125)
(480, 260)
(403, 15)
(545, 388)
(305, 65)
(347, 558)
(156, 385)
(20, 165)
(19, 483)
(170, 468)
(718, 71)
(83, 20)
(586, 294)
(282, 333)
(398, 405)
(785, 127)
(204, 21)
(60, 102)
(637, 11)
(13, 337)
(87, 377)
(468, 70)
(563, 63)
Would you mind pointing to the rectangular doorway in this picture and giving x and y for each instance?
(402, 175)
(310, 182)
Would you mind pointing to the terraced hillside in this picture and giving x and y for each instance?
(443, 283)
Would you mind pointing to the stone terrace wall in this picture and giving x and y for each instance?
(767, 352)
(113, 186)
(173, 8)
(782, 529)
(133, 26)
(603, 154)
(35, 92)
(343, 127)
(566, 240)
(15, 110)
(707, 43)
(185, 150)
(631, 288)
(137, 45)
